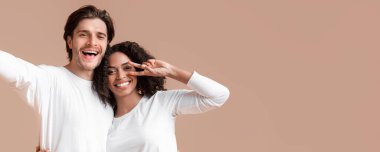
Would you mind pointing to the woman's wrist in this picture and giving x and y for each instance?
(179, 74)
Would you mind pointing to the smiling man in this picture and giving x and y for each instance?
(71, 116)
(87, 43)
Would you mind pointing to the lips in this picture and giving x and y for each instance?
(94, 53)
(90, 51)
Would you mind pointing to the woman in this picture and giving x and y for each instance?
(132, 82)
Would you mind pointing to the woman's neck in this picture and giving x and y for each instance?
(126, 103)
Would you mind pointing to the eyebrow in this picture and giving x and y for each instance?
(87, 31)
(126, 63)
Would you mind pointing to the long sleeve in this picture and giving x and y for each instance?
(20, 75)
(206, 94)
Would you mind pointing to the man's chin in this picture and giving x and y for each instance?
(89, 67)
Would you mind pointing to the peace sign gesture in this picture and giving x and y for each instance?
(158, 68)
(152, 67)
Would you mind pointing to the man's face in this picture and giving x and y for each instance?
(88, 44)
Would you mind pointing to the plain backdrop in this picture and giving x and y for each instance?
(304, 75)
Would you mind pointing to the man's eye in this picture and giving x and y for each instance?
(82, 35)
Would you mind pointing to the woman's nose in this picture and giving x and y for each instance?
(121, 74)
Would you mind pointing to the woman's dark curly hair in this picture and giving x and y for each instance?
(147, 84)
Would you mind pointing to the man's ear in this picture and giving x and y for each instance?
(70, 42)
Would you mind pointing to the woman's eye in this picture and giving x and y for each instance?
(110, 72)
(128, 68)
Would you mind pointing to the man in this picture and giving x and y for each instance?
(71, 116)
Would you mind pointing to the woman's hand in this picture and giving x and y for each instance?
(152, 67)
(158, 68)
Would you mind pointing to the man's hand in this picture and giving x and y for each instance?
(38, 149)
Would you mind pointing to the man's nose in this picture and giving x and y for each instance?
(92, 41)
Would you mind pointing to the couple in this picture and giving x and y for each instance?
(120, 105)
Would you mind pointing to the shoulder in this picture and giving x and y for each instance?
(51, 69)
(49, 72)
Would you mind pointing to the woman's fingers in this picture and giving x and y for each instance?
(138, 73)
(152, 61)
(136, 65)
(150, 68)
(148, 64)
(148, 71)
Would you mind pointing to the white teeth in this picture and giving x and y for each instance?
(122, 84)
(90, 52)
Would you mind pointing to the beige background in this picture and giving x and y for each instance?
(304, 75)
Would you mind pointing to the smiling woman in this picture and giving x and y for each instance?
(132, 81)
(118, 82)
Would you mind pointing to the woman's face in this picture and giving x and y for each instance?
(119, 81)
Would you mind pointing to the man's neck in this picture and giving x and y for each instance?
(80, 72)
